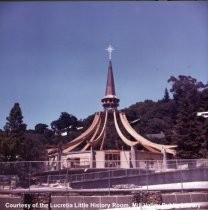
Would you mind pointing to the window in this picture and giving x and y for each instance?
(112, 160)
(74, 162)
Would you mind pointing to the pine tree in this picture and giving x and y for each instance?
(15, 120)
(166, 97)
(14, 142)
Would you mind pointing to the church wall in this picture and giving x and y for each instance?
(76, 160)
(143, 159)
(147, 157)
(125, 159)
(100, 159)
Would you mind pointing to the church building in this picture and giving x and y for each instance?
(128, 149)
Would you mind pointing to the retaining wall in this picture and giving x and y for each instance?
(190, 175)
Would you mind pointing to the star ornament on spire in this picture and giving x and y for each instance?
(110, 49)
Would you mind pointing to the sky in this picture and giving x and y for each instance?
(53, 57)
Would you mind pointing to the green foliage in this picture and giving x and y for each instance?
(34, 147)
(64, 129)
(16, 143)
(13, 140)
(187, 130)
(41, 128)
(154, 116)
(166, 97)
(15, 120)
(65, 123)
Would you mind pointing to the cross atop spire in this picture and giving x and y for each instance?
(110, 50)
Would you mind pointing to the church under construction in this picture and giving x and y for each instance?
(96, 148)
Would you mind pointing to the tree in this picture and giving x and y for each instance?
(203, 122)
(187, 132)
(16, 143)
(66, 123)
(41, 128)
(166, 97)
(184, 86)
(35, 147)
(12, 146)
(154, 117)
(15, 120)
